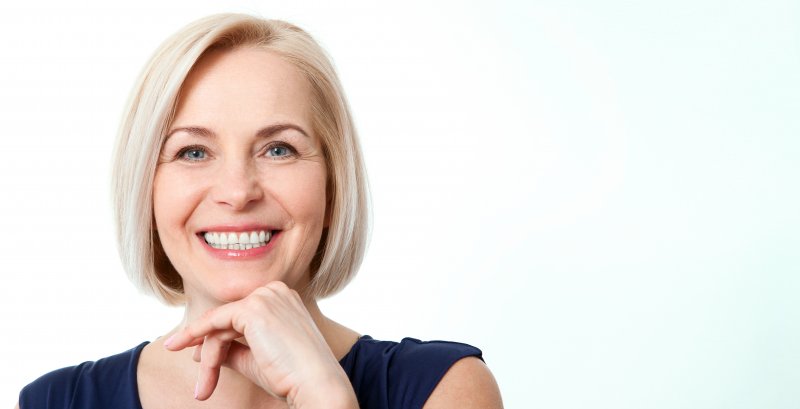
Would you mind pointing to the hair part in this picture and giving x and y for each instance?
(149, 113)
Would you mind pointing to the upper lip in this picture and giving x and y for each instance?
(228, 228)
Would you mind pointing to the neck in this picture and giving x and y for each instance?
(236, 388)
(339, 338)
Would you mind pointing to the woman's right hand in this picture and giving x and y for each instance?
(284, 352)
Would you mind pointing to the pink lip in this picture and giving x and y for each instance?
(239, 254)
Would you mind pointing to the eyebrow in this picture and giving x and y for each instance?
(262, 133)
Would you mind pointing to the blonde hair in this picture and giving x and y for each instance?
(149, 113)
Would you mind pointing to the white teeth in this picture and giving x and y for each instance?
(237, 240)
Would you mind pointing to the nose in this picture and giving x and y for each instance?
(237, 185)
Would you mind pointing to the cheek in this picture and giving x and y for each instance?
(300, 192)
(172, 194)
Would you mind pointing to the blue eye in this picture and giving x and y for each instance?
(279, 151)
(192, 153)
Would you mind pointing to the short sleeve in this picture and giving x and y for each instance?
(52, 390)
(106, 383)
(421, 365)
(401, 375)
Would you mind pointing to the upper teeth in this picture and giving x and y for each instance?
(237, 240)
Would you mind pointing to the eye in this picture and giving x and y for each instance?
(192, 153)
(280, 151)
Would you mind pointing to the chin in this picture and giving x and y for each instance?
(235, 289)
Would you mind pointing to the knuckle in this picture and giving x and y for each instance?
(210, 341)
(262, 292)
(189, 330)
(207, 315)
(278, 286)
(254, 302)
(204, 364)
(295, 294)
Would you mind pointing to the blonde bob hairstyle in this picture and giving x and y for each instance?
(147, 118)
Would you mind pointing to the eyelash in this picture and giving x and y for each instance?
(183, 151)
(290, 148)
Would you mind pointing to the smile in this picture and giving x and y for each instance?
(238, 240)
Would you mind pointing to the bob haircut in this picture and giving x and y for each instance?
(149, 113)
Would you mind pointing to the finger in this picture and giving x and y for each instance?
(241, 360)
(216, 319)
(196, 353)
(182, 339)
(284, 293)
(232, 315)
(212, 353)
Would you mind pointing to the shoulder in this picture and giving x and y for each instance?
(85, 385)
(401, 374)
(467, 384)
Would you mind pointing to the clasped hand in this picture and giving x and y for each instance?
(283, 351)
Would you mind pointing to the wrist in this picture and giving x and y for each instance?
(330, 392)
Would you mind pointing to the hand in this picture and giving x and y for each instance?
(285, 354)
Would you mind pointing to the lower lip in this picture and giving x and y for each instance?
(239, 254)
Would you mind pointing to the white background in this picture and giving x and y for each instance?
(601, 195)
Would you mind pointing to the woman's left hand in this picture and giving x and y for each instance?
(286, 355)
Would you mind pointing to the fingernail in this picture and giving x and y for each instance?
(169, 341)
(196, 387)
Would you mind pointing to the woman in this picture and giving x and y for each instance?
(240, 193)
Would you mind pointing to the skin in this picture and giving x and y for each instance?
(248, 338)
(246, 315)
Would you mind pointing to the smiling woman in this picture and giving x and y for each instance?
(241, 195)
(223, 171)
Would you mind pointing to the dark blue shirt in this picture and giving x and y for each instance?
(384, 374)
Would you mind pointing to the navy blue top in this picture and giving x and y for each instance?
(384, 374)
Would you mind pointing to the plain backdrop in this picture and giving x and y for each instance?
(602, 195)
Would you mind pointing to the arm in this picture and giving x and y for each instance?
(467, 384)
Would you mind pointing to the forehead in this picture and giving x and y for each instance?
(244, 86)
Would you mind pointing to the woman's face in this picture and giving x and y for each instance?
(239, 193)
